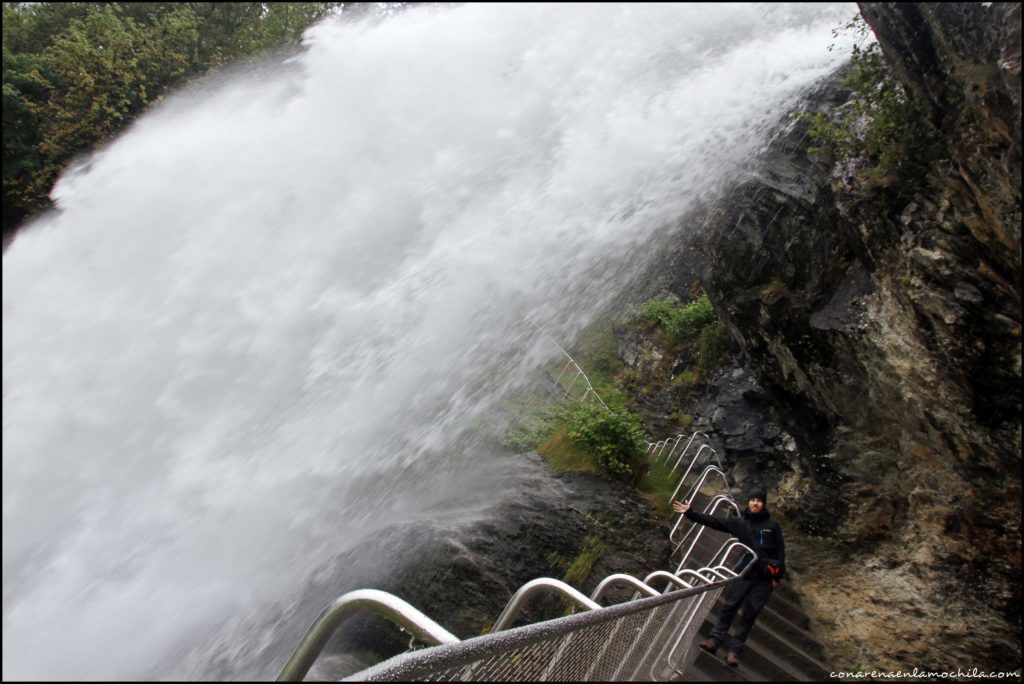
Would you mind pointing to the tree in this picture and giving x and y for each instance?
(26, 88)
(76, 73)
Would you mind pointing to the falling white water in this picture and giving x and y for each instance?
(252, 333)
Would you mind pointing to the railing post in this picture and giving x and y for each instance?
(392, 607)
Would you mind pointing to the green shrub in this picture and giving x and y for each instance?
(659, 311)
(614, 440)
(880, 124)
(680, 322)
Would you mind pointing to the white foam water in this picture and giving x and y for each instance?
(256, 327)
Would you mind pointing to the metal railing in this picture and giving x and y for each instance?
(643, 638)
(697, 531)
(640, 639)
(647, 637)
(690, 497)
(683, 528)
(364, 600)
(655, 449)
(531, 589)
(573, 370)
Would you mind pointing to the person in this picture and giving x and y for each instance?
(756, 529)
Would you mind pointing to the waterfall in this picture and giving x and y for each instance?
(260, 321)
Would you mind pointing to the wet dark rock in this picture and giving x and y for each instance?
(883, 322)
(844, 311)
(736, 411)
(877, 390)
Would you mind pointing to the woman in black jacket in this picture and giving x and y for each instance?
(756, 529)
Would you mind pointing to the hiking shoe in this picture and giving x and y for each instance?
(733, 659)
(710, 646)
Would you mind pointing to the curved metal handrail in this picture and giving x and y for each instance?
(721, 565)
(675, 445)
(728, 487)
(386, 605)
(604, 586)
(693, 462)
(674, 440)
(709, 510)
(701, 448)
(620, 579)
(687, 618)
(672, 579)
(588, 388)
(657, 574)
(710, 470)
(682, 626)
(727, 542)
(723, 571)
(653, 446)
(685, 448)
(696, 538)
(534, 587)
(733, 542)
(715, 571)
(656, 449)
(687, 571)
(720, 549)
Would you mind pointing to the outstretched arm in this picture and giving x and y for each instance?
(714, 522)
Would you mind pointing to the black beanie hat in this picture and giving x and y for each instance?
(758, 493)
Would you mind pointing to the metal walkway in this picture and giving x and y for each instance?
(648, 637)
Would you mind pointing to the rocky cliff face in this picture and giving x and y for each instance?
(878, 393)
(883, 318)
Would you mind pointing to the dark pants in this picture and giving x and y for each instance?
(753, 595)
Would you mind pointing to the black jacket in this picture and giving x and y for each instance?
(759, 532)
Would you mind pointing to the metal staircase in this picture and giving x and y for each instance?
(649, 637)
(780, 646)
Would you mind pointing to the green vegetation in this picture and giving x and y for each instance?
(715, 342)
(583, 436)
(680, 322)
(660, 483)
(580, 567)
(881, 124)
(613, 439)
(76, 73)
(563, 455)
(686, 378)
(683, 323)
